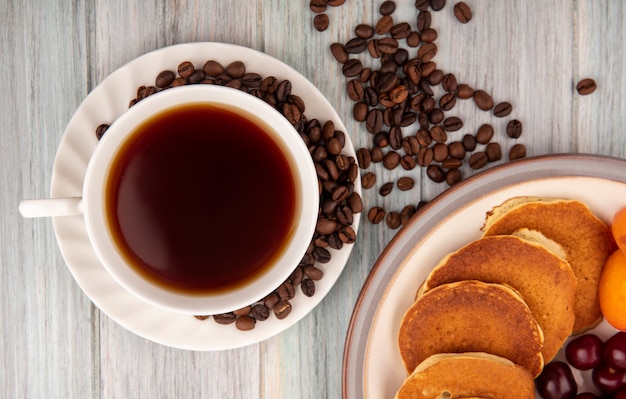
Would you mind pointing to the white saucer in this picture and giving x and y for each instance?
(103, 105)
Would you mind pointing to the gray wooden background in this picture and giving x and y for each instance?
(55, 344)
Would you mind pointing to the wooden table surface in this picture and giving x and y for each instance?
(55, 343)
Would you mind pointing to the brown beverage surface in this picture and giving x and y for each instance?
(201, 199)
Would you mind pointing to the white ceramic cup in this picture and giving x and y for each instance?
(92, 203)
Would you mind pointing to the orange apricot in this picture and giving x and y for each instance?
(618, 228)
(612, 290)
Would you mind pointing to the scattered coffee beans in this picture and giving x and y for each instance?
(462, 12)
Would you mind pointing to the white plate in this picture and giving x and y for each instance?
(372, 364)
(103, 105)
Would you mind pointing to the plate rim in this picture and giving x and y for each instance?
(493, 179)
(60, 185)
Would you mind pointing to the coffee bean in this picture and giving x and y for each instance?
(469, 142)
(477, 160)
(376, 214)
(483, 100)
(423, 18)
(185, 69)
(347, 235)
(335, 3)
(386, 189)
(213, 68)
(437, 5)
(325, 226)
(100, 130)
(517, 151)
(321, 22)
(355, 202)
(408, 162)
(514, 129)
(364, 31)
(225, 318)
(260, 312)
(457, 150)
(384, 24)
(462, 12)
(243, 311)
(236, 69)
(438, 134)
(586, 86)
(387, 7)
(426, 52)
(321, 255)
(440, 152)
(364, 158)
(484, 134)
(393, 220)
(452, 124)
(355, 45)
(405, 183)
(377, 155)
(282, 309)
(391, 160)
(286, 290)
(387, 45)
(435, 173)
(339, 52)
(395, 138)
(374, 120)
(352, 67)
(494, 152)
(435, 77)
(425, 156)
(271, 300)
(451, 163)
(422, 4)
(164, 79)
(428, 35)
(413, 39)
(201, 317)
(447, 101)
(406, 214)
(360, 111)
(400, 31)
(449, 83)
(308, 287)
(317, 6)
(502, 109)
(464, 91)
(436, 116)
(453, 176)
(245, 323)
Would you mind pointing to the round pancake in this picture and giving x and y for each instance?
(471, 316)
(584, 237)
(543, 279)
(467, 375)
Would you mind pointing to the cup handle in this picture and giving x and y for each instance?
(51, 207)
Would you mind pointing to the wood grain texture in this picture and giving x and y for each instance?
(55, 343)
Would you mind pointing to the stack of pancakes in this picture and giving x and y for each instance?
(491, 314)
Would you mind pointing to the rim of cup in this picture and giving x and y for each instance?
(305, 218)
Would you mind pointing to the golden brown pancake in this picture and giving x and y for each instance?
(471, 316)
(467, 375)
(543, 279)
(584, 237)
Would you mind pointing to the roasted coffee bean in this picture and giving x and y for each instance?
(243, 311)
(374, 120)
(355, 45)
(364, 158)
(438, 134)
(282, 309)
(355, 202)
(440, 152)
(340, 193)
(100, 130)
(308, 287)
(425, 156)
(469, 142)
(384, 24)
(334, 241)
(391, 160)
(180, 81)
(483, 100)
(422, 4)
(395, 138)
(477, 160)
(435, 77)
(260, 312)
(393, 220)
(377, 155)
(347, 235)
(283, 90)
(426, 89)
(456, 149)
(400, 31)
(398, 94)
(164, 79)
(428, 35)
(317, 6)
(325, 226)
(360, 111)
(426, 52)
(271, 300)
(352, 67)
(452, 124)
(253, 80)
(370, 96)
(408, 162)
(236, 69)
(364, 31)
(291, 112)
(435, 173)
(517, 151)
(321, 22)
(386, 82)
(225, 318)
(514, 129)
(451, 163)
(413, 39)
(386, 189)
(406, 214)
(201, 317)
(447, 101)
(321, 255)
(494, 152)
(423, 137)
(449, 83)
(462, 12)
(484, 134)
(405, 183)
(245, 323)
(376, 214)
(437, 5)
(464, 91)
(335, 3)
(502, 109)
(339, 52)
(428, 104)
(387, 45)
(296, 276)
(453, 176)
(372, 48)
(185, 69)
(387, 7)
(586, 86)
(423, 20)
(286, 290)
